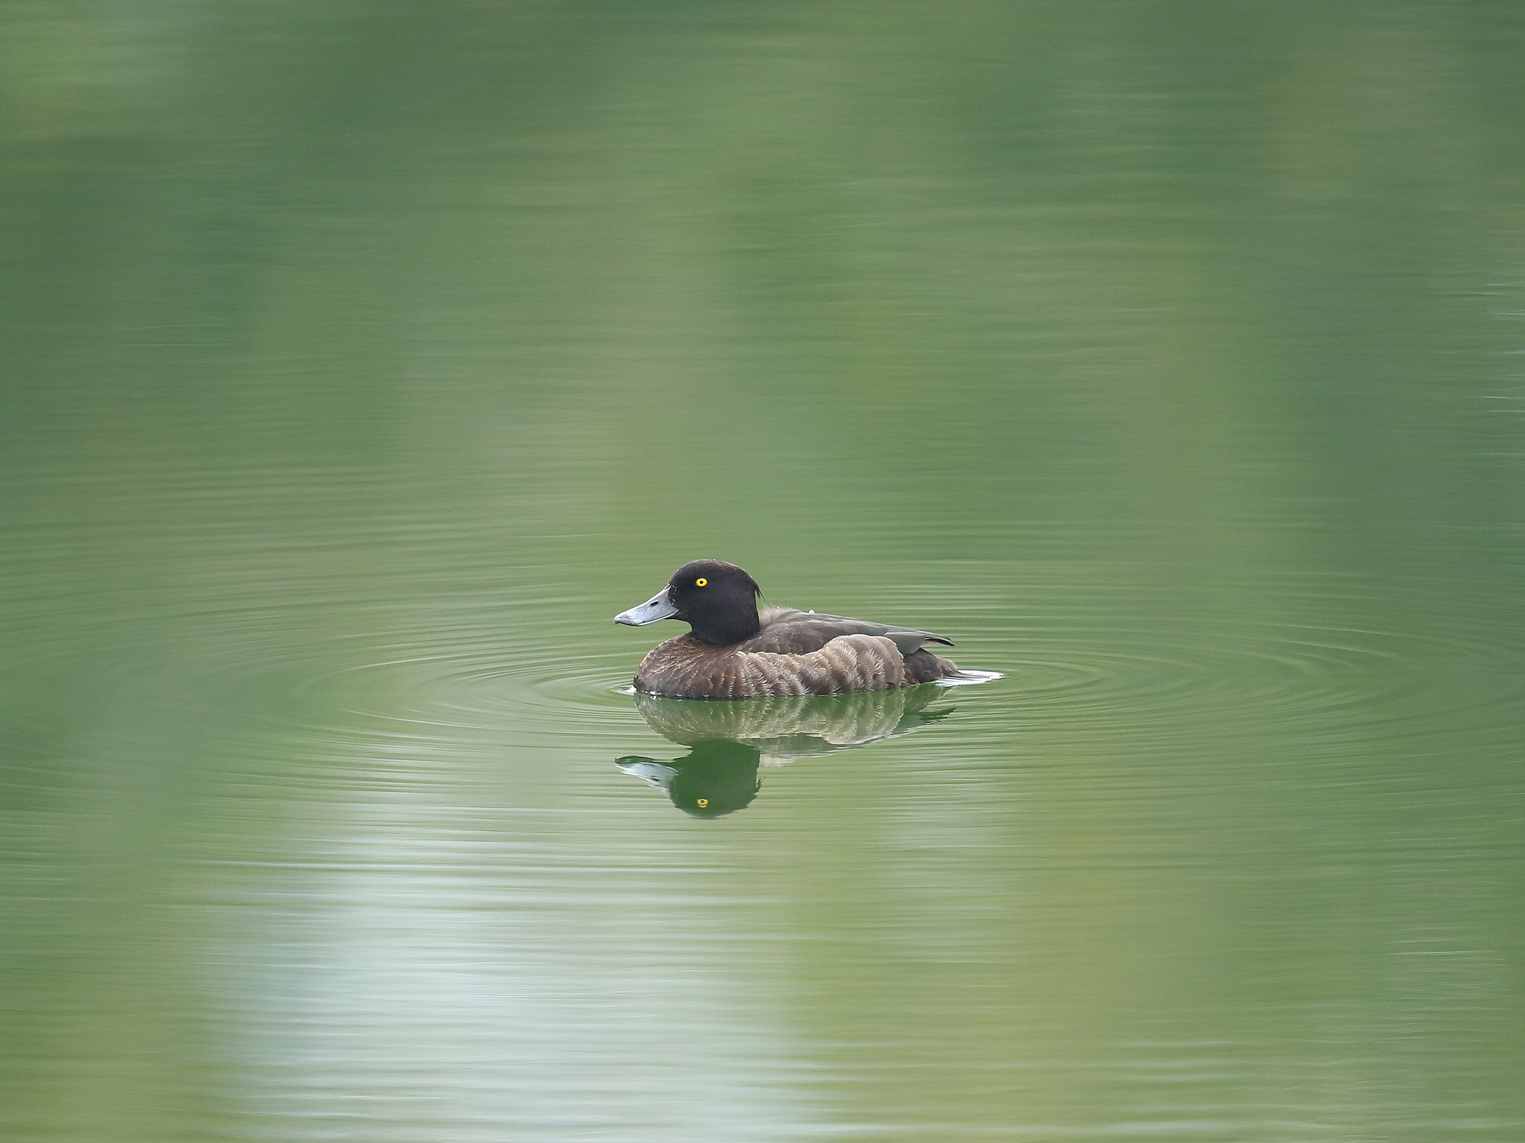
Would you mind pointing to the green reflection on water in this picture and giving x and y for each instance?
(359, 361)
(728, 741)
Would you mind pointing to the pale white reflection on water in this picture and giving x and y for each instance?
(360, 362)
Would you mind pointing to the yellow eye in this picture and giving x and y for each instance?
(700, 582)
(702, 802)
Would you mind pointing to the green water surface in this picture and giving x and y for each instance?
(360, 360)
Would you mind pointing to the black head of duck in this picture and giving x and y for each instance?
(717, 600)
(734, 651)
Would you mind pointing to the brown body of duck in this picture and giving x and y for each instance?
(734, 652)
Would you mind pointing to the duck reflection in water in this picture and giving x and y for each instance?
(728, 742)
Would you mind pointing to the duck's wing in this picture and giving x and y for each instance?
(789, 632)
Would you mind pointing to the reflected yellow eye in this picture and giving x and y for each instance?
(700, 582)
(702, 802)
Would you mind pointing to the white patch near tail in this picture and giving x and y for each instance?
(969, 679)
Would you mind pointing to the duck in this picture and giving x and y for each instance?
(733, 651)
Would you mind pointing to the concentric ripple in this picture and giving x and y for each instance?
(1333, 688)
(527, 669)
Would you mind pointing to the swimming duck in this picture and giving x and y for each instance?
(734, 652)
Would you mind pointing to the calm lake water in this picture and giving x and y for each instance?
(360, 361)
